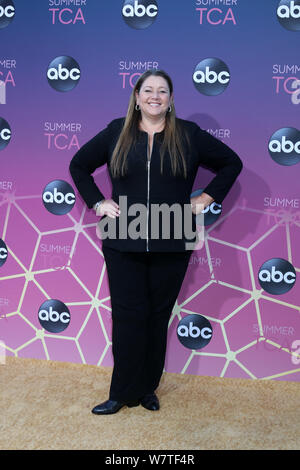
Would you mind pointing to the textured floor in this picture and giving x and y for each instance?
(47, 405)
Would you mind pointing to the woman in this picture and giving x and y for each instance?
(152, 158)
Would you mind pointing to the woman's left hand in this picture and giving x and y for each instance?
(199, 203)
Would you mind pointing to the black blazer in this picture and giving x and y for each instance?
(144, 184)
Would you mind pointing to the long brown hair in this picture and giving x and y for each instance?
(173, 134)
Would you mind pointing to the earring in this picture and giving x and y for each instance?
(137, 107)
(170, 108)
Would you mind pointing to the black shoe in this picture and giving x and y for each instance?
(112, 406)
(150, 401)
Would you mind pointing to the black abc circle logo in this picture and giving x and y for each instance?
(284, 146)
(288, 14)
(277, 276)
(5, 133)
(54, 316)
(139, 14)
(63, 73)
(7, 12)
(194, 331)
(211, 213)
(211, 76)
(3, 252)
(59, 197)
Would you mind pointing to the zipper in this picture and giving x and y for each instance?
(148, 188)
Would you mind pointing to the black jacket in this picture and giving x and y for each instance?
(145, 185)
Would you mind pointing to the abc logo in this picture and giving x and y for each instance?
(288, 14)
(63, 73)
(54, 316)
(211, 76)
(194, 331)
(3, 252)
(5, 133)
(277, 276)
(58, 197)
(211, 212)
(7, 12)
(284, 146)
(139, 14)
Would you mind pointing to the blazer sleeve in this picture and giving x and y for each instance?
(89, 157)
(218, 157)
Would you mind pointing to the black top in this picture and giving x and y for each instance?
(144, 184)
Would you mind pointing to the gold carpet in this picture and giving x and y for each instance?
(47, 405)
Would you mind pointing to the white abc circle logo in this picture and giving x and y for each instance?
(139, 14)
(284, 146)
(3, 252)
(59, 197)
(7, 12)
(54, 316)
(211, 212)
(194, 331)
(214, 208)
(288, 10)
(211, 76)
(288, 14)
(5, 133)
(277, 276)
(63, 73)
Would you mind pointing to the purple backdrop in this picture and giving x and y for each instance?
(59, 256)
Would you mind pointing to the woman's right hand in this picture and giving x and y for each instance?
(108, 207)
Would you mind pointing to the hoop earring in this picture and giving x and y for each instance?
(170, 108)
(137, 107)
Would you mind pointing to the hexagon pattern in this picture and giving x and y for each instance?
(60, 257)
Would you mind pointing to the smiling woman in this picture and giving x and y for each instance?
(154, 99)
(151, 109)
(152, 158)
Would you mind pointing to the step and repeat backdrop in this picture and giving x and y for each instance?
(67, 68)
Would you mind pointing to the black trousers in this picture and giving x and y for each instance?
(143, 289)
